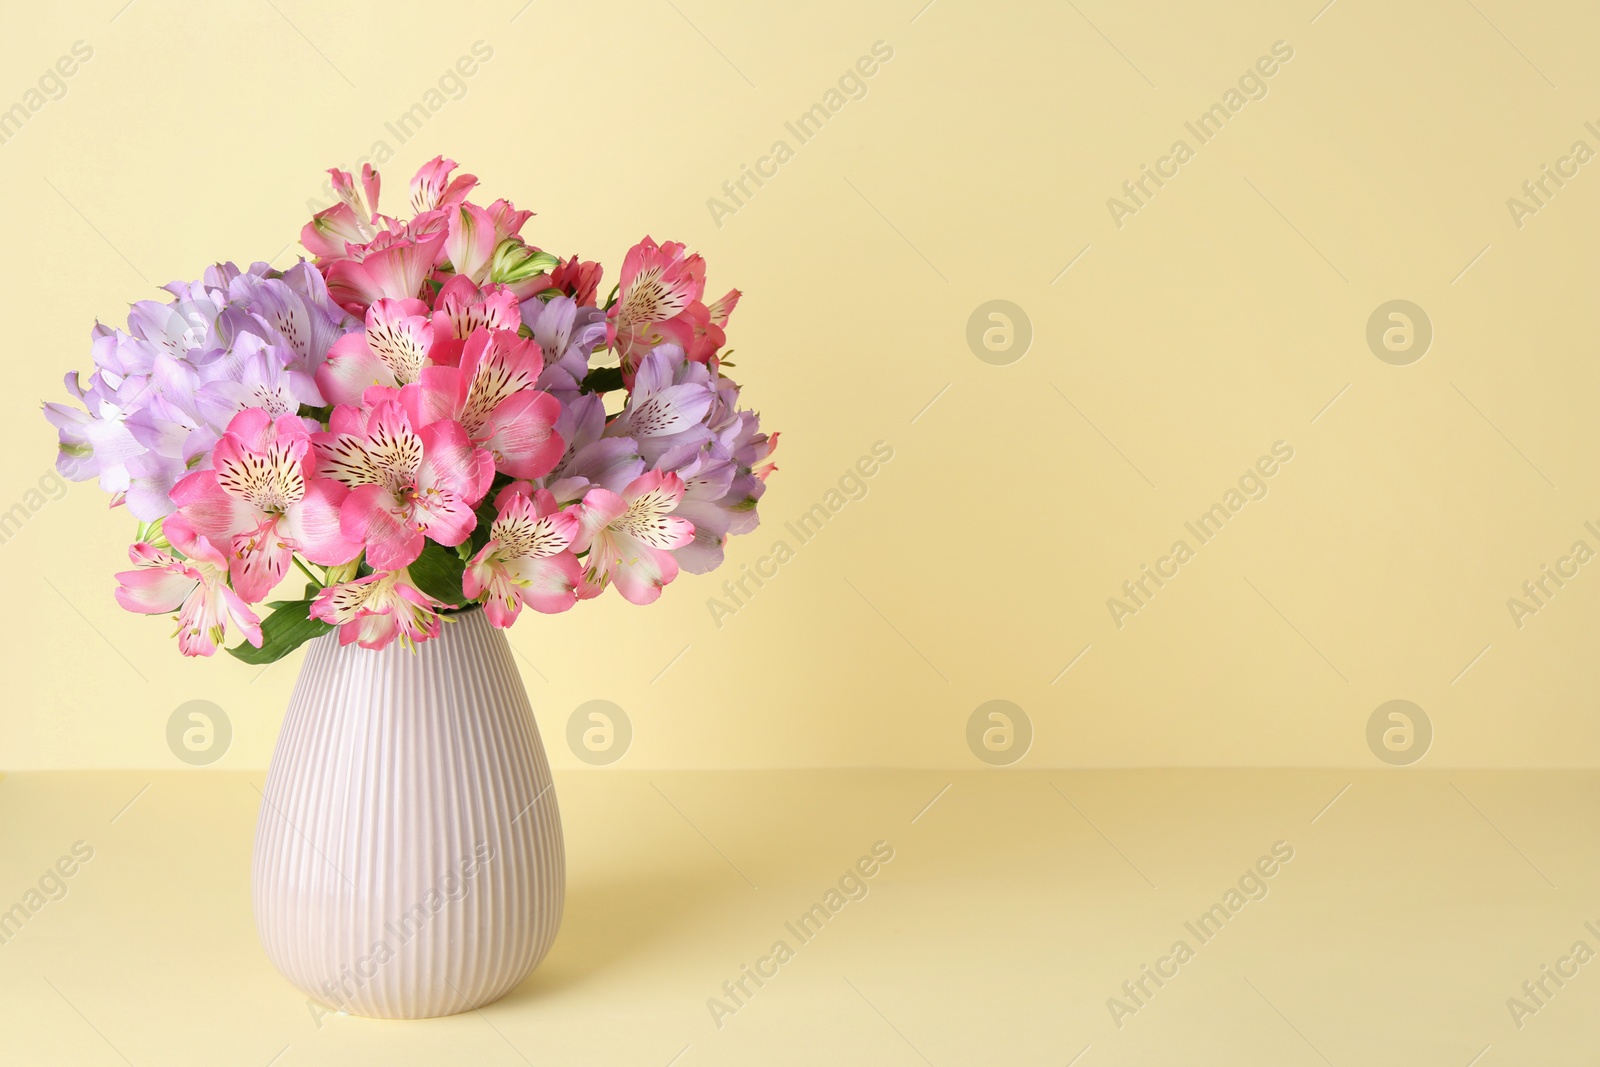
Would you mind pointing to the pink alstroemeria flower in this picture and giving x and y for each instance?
(262, 501)
(374, 610)
(462, 307)
(393, 266)
(392, 351)
(657, 289)
(432, 187)
(526, 560)
(195, 587)
(508, 218)
(576, 279)
(406, 485)
(493, 396)
(472, 237)
(710, 333)
(630, 537)
(352, 221)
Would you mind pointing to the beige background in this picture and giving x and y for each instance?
(1222, 317)
(1227, 314)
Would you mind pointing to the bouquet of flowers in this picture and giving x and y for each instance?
(417, 421)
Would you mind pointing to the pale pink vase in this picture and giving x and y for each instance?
(408, 858)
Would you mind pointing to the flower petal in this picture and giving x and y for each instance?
(447, 518)
(400, 335)
(640, 575)
(471, 241)
(350, 368)
(372, 516)
(211, 510)
(313, 524)
(155, 590)
(260, 560)
(452, 464)
(548, 585)
(520, 435)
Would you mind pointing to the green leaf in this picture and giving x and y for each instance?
(288, 627)
(602, 380)
(487, 512)
(438, 571)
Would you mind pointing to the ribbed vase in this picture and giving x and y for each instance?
(408, 858)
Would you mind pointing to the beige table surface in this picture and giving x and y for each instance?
(1016, 905)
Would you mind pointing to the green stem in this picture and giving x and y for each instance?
(320, 582)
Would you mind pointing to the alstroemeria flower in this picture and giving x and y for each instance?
(658, 287)
(352, 221)
(263, 502)
(162, 392)
(591, 458)
(508, 219)
(630, 537)
(195, 587)
(707, 480)
(492, 396)
(393, 266)
(526, 560)
(470, 242)
(406, 485)
(668, 404)
(567, 334)
(259, 375)
(432, 187)
(462, 307)
(97, 445)
(392, 351)
(576, 279)
(374, 610)
(710, 334)
(293, 311)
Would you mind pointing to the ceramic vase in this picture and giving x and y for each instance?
(408, 858)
